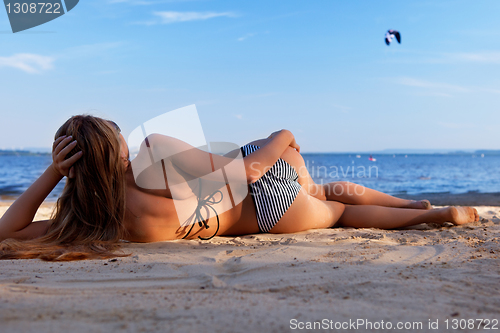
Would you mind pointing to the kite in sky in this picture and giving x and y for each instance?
(390, 34)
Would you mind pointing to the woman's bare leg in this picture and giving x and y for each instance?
(390, 218)
(354, 194)
(346, 192)
(308, 212)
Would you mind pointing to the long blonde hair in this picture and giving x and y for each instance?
(87, 222)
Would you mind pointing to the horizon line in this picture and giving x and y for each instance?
(387, 151)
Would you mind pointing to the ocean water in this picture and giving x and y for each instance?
(393, 174)
(410, 174)
(18, 172)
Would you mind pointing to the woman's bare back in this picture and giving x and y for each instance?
(151, 215)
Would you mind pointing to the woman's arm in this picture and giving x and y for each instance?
(259, 162)
(199, 163)
(17, 220)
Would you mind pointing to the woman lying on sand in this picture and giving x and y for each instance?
(101, 203)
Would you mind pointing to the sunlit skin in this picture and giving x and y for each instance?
(316, 206)
(151, 214)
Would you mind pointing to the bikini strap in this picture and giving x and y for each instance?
(205, 203)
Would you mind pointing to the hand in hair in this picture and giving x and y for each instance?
(60, 149)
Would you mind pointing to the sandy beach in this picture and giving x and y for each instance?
(269, 283)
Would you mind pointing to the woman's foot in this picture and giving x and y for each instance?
(460, 215)
(419, 204)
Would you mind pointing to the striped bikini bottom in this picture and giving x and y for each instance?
(274, 192)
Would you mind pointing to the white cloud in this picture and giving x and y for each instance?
(433, 93)
(173, 17)
(343, 109)
(245, 37)
(441, 89)
(478, 57)
(239, 116)
(456, 125)
(132, 2)
(253, 96)
(107, 72)
(412, 82)
(36, 64)
(27, 62)
(490, 90)
(251, 34)
(90, 50)
(146, 2)
(482, 57)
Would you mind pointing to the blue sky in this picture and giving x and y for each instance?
(318, 68)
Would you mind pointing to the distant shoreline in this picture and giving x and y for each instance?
(397, 152)
(463, 199)
(477, 153)
(438, 199)
(21, 153)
